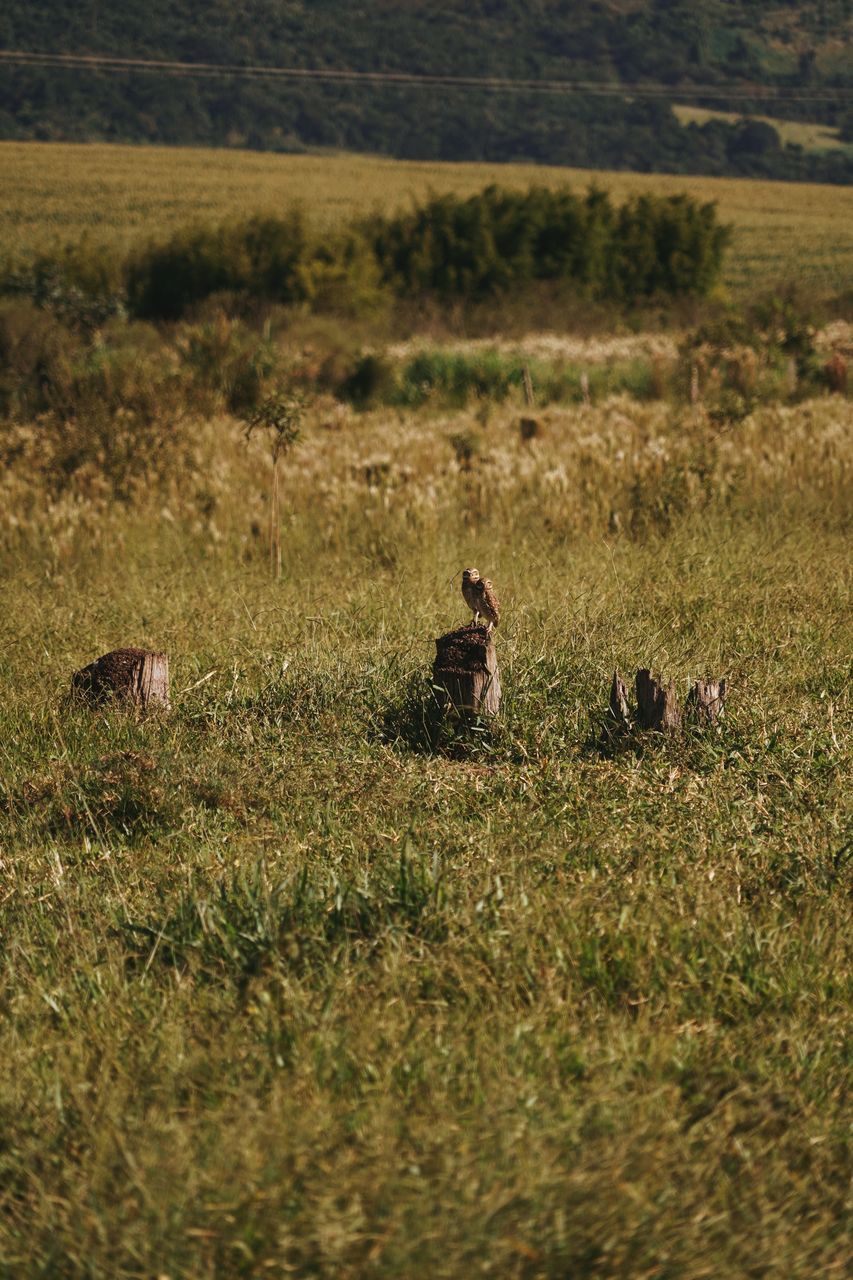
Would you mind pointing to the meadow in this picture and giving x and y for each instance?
(290, 987)
(54, 194)
(286, 992)
(806, 134)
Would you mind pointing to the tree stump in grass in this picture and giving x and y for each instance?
(465, 672)
(134, 675)
(705, 701)
(529, 429)
(619, 701)
(657, 704)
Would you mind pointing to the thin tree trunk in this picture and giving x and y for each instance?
(275, 525)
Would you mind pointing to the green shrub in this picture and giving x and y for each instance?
(265, 257)
(227, 358)
(454, 377)
(499, 240)
(766, 352)
(82, 286)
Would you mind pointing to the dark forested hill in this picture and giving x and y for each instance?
(706, 51)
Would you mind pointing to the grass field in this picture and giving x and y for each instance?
(801, 133)
(289, 985)
(286, 993)
(52, 194)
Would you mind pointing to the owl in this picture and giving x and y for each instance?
(480, 597)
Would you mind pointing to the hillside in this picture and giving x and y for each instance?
(709, 53)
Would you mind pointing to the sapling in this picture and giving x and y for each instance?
(280, 417)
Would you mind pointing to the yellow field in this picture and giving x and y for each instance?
(52, 194)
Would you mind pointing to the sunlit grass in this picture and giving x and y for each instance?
(286, 990)
(285, 995)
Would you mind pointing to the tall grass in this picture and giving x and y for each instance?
(285, 995)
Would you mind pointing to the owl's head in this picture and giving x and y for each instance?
(470, 575)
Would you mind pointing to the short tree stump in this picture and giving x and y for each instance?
(465, 672)
(134, 675)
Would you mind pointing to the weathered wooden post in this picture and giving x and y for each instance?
(835, 372)
(657, 704)
(705, 701)
(529, 397)
(618, 705)
(528, 429)
(135, 675)
(465, 672)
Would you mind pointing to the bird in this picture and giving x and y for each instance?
(479, 595)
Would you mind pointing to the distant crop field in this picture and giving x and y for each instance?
(810, 135)
(52, 194)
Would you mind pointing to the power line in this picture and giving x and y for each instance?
(113, 64)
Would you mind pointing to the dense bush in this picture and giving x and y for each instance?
(501, 240)
(264, 257)
(767, 352)
(449, 247)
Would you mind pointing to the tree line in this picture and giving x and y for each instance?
(677, 44)
(449, 247)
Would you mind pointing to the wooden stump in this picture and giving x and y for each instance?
(135, 675)
(835, 372)
(657, 705)
(619, 701)
(528, 429)
(465, 672)
(705, 701)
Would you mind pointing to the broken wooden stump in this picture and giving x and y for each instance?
(657, 704)
(835, 372)
(529, 429)
(705, 701)
(133, 675)
(619, 702)
(465, 672)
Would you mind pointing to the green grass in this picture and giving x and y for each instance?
(444, 376)
(119, 195)
(285, 993)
